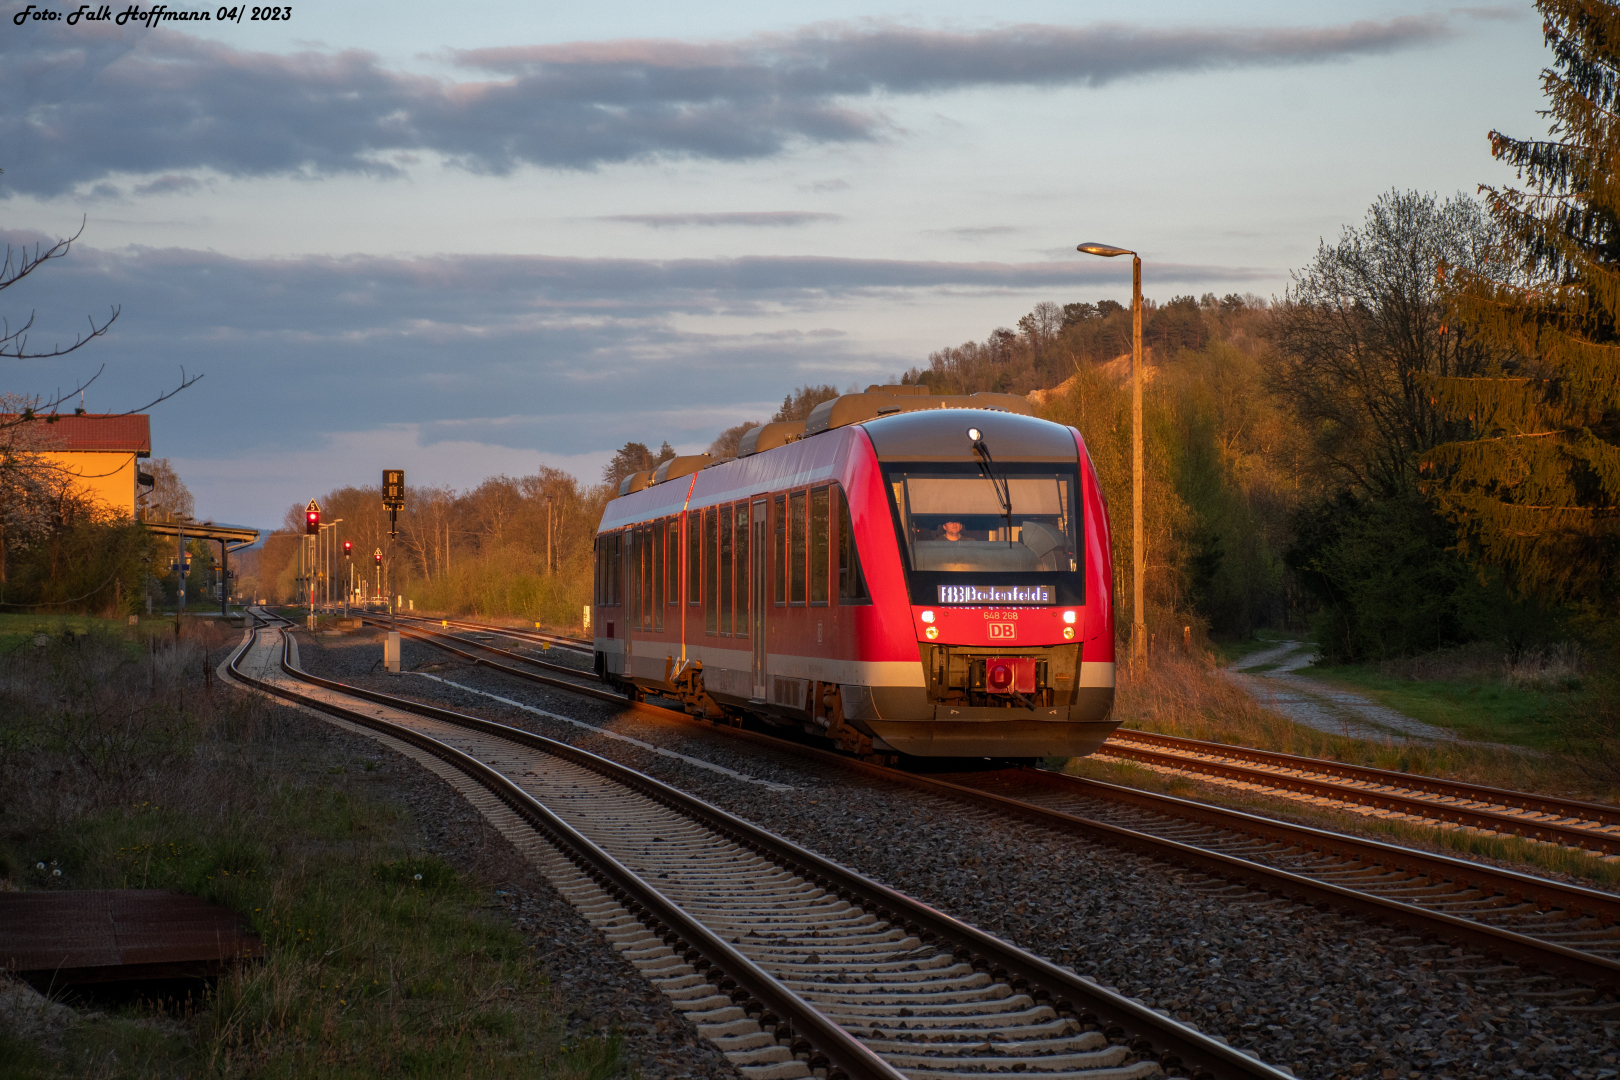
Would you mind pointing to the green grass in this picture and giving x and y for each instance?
(18, 630)
(1483, 709)
(382, 961)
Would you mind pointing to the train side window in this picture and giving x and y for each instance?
(632, 609)
(644, 575)
(596, 559)
(673, 564)
(741, 548)
(614, 548)
(820, 548)
(711, 611)
(780, 562)
(851, 582)
(694, 555)
(726, 526)
(796, 501)
(660, 539)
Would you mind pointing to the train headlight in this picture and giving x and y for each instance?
(928, 616)
(1068, 633)
(931, 633)
(1068, 617)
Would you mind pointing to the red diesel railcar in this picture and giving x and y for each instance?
(899, 573)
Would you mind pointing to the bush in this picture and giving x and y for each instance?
(1388, 579)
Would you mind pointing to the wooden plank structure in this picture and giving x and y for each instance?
(55, 940)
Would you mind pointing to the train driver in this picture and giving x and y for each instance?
(953, 530)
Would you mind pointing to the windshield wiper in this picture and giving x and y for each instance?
(1003, 492)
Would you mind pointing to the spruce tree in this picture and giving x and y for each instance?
(1537, 487)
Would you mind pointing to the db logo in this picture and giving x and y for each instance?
(1002, 631)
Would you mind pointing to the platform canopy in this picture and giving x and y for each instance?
(232, 536)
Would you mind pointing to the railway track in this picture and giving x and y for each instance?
(793, 964)
(1591, 826)
(1564, 931)
(516, 633)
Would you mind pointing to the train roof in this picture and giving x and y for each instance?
(935, 432)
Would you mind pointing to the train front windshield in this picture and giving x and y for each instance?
(961, 526)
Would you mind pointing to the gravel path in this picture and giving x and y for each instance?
(1326, 996)
(1338, 712)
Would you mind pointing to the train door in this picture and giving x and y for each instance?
(630, 613)
(756, 595)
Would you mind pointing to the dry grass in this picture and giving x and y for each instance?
(1510, 851)
(1177, 696)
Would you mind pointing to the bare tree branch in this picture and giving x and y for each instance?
(45, 411)
(18, 264)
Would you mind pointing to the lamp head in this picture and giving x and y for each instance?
(1107, 251)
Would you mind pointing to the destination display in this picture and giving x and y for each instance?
(997, 594)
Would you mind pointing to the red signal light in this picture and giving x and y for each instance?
(378, 556)
(348, 547)
(312, 522)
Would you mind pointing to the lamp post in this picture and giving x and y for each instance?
(1138, 553)
(548, 536)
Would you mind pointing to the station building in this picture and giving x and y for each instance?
(101, 453)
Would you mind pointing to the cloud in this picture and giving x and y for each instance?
(84, 103)
(169, 184)
(473, 364)
(982, 230)
(757, 218)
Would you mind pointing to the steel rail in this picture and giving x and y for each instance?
(1544, 831)
(761, 992)
(1576, 901)
(1175, 1045)
(572, 644)
(423, 634)
(1522, 800)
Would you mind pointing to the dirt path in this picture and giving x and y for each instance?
(1306, 701)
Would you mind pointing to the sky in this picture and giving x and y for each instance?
(472, 239)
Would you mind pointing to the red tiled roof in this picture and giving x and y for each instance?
(98, 432)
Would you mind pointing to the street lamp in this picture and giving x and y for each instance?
(548, 536)
(1138, 554)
